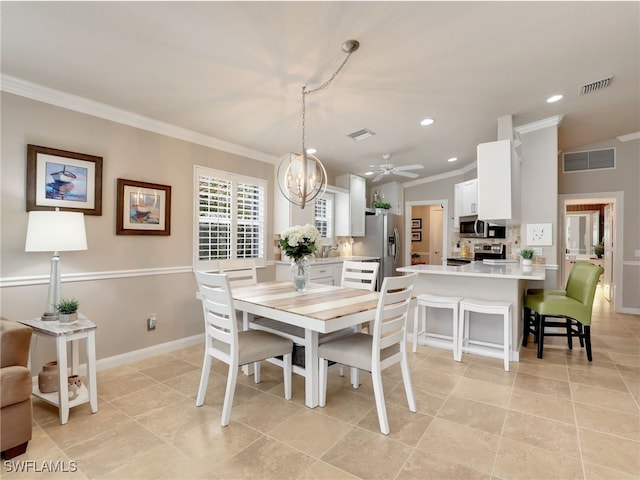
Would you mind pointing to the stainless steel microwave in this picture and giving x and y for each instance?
(471, 227)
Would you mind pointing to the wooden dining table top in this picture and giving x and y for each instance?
(319, 301)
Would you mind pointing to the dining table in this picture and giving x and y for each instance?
(320, 309)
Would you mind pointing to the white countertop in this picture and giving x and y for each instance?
(330, 260)
(479, 269)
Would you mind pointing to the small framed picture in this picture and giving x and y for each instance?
(416, 236)
(67, 180)
(416, 223)
(142, 208)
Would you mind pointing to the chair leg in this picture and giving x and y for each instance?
(204, 379)
(408, 386)
(376, 377)
(540, 321)
(417, 317)
(322, 382)
(355, 377)
(526, 326)
(228, 395)
(569, 336)
(287, 372)
(256, 372)
(457, 353)
(587, 341)
(580, 334)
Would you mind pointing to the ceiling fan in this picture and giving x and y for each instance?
(387, 168)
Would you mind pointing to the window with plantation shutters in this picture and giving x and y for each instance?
(230, 218)
(324, 215)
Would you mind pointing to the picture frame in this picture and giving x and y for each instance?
(416, 236)
(416, 223)
(142, 208)
(61, 179)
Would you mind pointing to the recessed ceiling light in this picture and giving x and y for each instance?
(311, 150)
(452, 159)
(427, 121)
(554, 98)
(368, 173)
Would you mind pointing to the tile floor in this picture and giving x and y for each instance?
(560, 417)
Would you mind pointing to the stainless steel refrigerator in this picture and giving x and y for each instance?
(382, 240)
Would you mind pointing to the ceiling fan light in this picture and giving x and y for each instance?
(311, 150)
(554, 98)
(427, 121)
(369, 173)
(452, 159)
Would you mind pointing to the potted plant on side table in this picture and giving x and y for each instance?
(68, 309)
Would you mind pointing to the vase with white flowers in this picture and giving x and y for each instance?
(299, 243)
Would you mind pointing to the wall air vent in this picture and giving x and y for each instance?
(591, 160)
(361, 134)
(593, 86)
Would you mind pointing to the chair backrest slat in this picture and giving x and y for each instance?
(218, 309)
(361, 275)
(390, 324)
(241, 272)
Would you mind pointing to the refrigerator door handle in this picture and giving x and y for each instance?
(396, 236)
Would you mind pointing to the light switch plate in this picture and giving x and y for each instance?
(637, 253)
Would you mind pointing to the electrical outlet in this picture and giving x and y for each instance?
(151, 322)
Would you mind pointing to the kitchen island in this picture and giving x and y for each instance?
(498, 282)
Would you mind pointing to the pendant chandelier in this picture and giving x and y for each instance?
(301, 176)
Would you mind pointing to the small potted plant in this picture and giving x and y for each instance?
(379, 206)
(68, 309)
(527, 256)
(599, 250)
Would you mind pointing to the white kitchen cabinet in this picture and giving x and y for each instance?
(465, 199)
(357, 187)
(494, 180)
(318, 273)
(341, 227)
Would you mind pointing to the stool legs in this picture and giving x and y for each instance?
(492, 308)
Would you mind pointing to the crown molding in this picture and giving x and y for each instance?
(540, 124)
(629, 136)
(79, 104)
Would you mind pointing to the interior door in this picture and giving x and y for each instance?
(607, 276)
(435, 235)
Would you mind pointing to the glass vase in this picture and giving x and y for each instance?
(300, 269)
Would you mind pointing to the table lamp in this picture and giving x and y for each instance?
(55, 231)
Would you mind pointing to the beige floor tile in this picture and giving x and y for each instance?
(124, 384)
(266, 459)
(598, 472)
(359, 453)
(424, 466)
(610, 451)
(187, 384)
(434, 382)
(441, 364)
(541, 369)
(523, 461)
(323, 471)
(497, 375)
(147, 400)
(545, 386)
(586, 394)
(348, 406)
(460, 444)
(478, 415)
(115, 373)
(170, 368)
(264, 412)
(542, 433)
(526, 401)
(605, 420)
(610, 382)
(311, 432)
(483, 391)
(529, 354)
(216, 387)
(426, 403)
(44, 413)
(405, 426)
(625, 359)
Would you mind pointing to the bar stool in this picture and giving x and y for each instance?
(488, 307)
(436, 301)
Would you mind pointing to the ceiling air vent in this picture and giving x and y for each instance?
(593, 86)
(591, 160)
(361, 134)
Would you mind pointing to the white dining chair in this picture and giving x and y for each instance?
(224, 342)
(360, 275)
(374, 353)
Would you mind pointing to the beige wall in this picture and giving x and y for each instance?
(119, 306)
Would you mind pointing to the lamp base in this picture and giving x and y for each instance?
(50, 317)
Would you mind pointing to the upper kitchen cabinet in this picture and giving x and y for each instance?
(357, 188)
(466, 199)
(494, 180)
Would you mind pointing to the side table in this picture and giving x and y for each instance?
(63, 333)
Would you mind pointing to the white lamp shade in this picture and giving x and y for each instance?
(54, 231)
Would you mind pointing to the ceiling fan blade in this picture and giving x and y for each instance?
(406, 174)
(378, 177)
(410, 167)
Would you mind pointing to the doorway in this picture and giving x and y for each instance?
(426, 232)
(587, 221)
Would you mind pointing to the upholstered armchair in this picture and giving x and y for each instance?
(15, 388)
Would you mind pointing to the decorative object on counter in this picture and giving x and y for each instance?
(527, 256)
(465, 251)
(74, 383)
(301, 176)
(55, 232)
(599, 250)
(48, 377)
(298, 243)
(415, 258)
(68, 310)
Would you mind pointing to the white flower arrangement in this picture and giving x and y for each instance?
(300, 241)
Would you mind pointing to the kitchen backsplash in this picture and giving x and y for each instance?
(512, 242)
